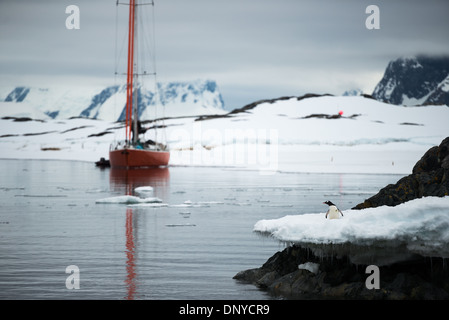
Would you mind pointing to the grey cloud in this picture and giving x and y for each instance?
(253, 48)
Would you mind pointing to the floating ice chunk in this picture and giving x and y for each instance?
(182, 205)
(144, 191)
(310, 266)
(150, 200)
(119, 199)
(128, 200)
(149, 205)
(209, 202)
(189, 203)
(278, 205)
(96, 190)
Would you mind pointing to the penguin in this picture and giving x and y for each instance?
(333, 212)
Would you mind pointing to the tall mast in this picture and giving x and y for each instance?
(130, 71)
(136, 84)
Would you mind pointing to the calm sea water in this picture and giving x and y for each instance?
(191, 249)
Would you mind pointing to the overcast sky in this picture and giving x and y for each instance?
(254, 49)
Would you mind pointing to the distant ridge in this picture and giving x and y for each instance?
(194, 98)
(415, 80)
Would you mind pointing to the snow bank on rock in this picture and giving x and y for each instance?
(421, 225)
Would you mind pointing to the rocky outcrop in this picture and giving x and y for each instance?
(248, 107)
(335, 277)
(331, 271)
(420, 80)
(430, 177)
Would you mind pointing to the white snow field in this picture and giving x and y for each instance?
(287, 135)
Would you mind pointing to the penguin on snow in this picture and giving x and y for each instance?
(333, 212)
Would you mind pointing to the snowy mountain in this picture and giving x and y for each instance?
(420, 80)
(201, 97)
(352, 93)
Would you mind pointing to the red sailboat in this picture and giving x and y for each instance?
(132, 152)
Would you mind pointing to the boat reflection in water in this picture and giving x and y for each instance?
(130, 280)
(124, 181)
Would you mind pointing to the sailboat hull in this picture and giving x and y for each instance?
(136, 158)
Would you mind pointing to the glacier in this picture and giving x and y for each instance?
(194, 98)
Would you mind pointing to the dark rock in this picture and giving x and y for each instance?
(313, 95)
(346, 290)
(250, 106)
(410, 124)
(430, 177)
(284, 262)
(368, 96)
(99, 134)
(247, 108)
(250, 275)
(428, 162)
(421, 278)
(443, 153)
(21, 119)
(267, 279)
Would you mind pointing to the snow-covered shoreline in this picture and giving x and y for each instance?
(52, 140)
(282, 136)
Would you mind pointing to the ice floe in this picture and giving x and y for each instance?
(199, 204)
(419, 226)
(129, 200)
(144, 191)
(149, 205)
